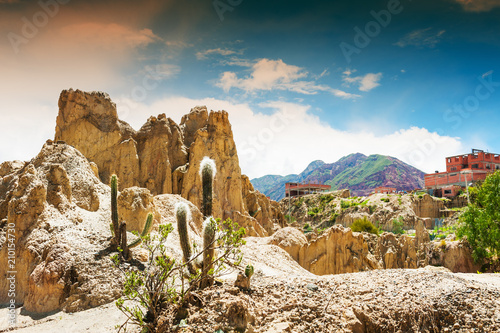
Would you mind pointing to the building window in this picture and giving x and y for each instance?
(449, 160)
(488, 166)
(447, 191)
(454, 169)
(452, 174)
(498, 167)
(475, 166)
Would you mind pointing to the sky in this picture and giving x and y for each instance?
(301, 81)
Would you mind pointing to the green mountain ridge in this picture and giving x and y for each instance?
(356, 172)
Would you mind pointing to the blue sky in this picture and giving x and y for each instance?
(301, 80)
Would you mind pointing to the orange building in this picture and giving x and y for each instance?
(297, 189)
(460, 170)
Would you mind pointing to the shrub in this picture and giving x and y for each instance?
(333, 217)
(307, 228)
(290, 219)
(397, 226)
(298, 203)
(480, 222)
(385, 199)
(314, 211)
(364, 225)
(344, 204)
(165, 285)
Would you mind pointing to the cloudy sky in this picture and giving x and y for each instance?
(301, 80)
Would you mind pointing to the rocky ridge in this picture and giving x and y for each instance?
(164, 157)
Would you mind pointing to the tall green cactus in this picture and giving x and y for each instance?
(145, 231)
(114, 211)
(182, 214)
(209, 229)
(207, 171)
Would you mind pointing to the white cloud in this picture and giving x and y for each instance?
(366, 82)
(421, 38)
(269, 75)
(478, 5)
(290, 137)
(224, 52)
(282, 142)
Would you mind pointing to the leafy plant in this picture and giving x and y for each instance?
(397, 226)
(365, 225)
(384, 199)
(314, 211)
(480, 221)
(163, 287)
(307, 228)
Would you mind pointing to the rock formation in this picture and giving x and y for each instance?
(164, 157)
(58, 212)
(339, 250)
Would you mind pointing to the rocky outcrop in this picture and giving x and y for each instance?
(338, 250)
(58, 217)
(164, 157)
(291, 240)
(428, 206)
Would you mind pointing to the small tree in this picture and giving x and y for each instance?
(480, 222)
(364, 225)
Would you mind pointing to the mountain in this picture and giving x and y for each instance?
(356, 172)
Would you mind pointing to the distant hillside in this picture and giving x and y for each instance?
(356, 172)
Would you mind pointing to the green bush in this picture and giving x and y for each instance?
(397, 226)
(385, 199)
(314, 211)
(290, 219)
(344, 204)
(480, 222)
(298, 203)
(307, 228)
(333, 217)
(364, 225)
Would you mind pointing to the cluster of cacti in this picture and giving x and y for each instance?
(119, 230)
(207, 172)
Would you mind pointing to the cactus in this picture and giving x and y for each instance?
(207, 171)
(145, 231)
(249, 271)
(209, 227)
(182, 214)
(123, 232)
(114, 211)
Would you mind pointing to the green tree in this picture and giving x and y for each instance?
(480, 222)
(364, 225)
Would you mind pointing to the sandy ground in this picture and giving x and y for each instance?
(101, 319)
(372, 301)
